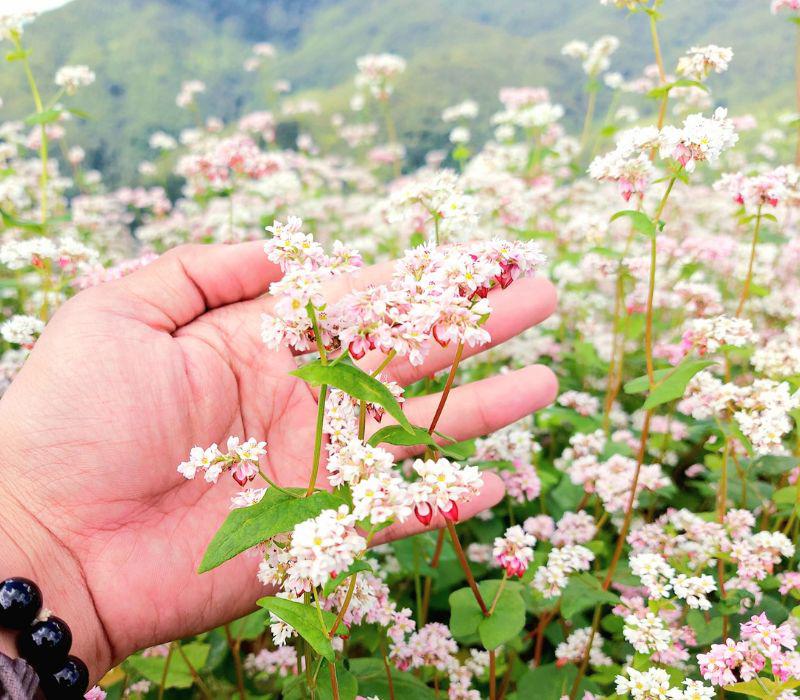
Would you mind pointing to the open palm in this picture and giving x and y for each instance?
(129, 376)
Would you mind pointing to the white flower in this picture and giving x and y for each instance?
(73, 77)
(21, 330)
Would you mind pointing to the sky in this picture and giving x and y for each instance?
(9, 6)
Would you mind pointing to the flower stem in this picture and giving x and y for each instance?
(426, 593)
(388, 670)
(648, 329)
(162, 686)
(499, 591)
(587, 121)
(448, 385)
(274, 485)
(312, 483)
(37, 100)
(195, 674)
(237, 661)
(462, 559)
(334, 682)
(722, 500)
(797, 90)
(585, 660)
(343, 611)
(492, 675)
(748, 280)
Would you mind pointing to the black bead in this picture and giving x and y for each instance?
(45, 645)
(20, 603)
(69, 682)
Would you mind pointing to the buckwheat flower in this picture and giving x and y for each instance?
(767, 637)
(655, 574)
(791, 5)
(514, 550)
(247, 498)
(646, 633)
(241, 460)
(189, 90)
(581, 402)
(162, 141)
(16, 255)
(378, 73)
(700, 139)
(767, 188)
(717, 666)
(381, 498)
(291, 247)
(633, 173)
(789, 582)
(694, 589)
(325, 545)
(553, 577)
(631, 5)
(12, 24)
(652, 684)
(468, 109)
(779, 358)
(73, 77)
(95, 693)
(708, 335)
(282, 661)
(699, 61)
(540, 526)
(22, 330)
(354, 460)
(573, 649)
(694, 690)
(442, 484)
(522, 483)
(460, 134)
(574, 528)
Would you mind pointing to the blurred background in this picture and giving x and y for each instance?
(142, 50)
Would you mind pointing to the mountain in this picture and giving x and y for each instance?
(141, 50)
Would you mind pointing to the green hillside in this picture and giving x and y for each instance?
(141, 50)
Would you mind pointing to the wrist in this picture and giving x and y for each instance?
(29, 549)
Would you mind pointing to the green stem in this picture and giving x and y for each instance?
(312, 483)
(162, 686)
(275, 486)
(587, 121)
(748, 280)
(648, 329)
(37, 100)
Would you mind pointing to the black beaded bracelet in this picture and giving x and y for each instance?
(43, 641)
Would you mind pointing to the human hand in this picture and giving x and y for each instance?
(126, 378)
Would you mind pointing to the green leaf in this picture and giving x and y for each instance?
(13, 222)
(249, 627)
(505, 623)
(17, 55)
(673, 385)
(277, 512)
(304, 619)
(785, 495)
(396, 435)
(345, 681)
(582, 592)
(48, 116)
(178, 675)
(641, 222)
(751, 688)
(355, 382)
(332, 584)
(549, 682)
(372, 681)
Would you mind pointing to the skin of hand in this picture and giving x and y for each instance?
(126, 378)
